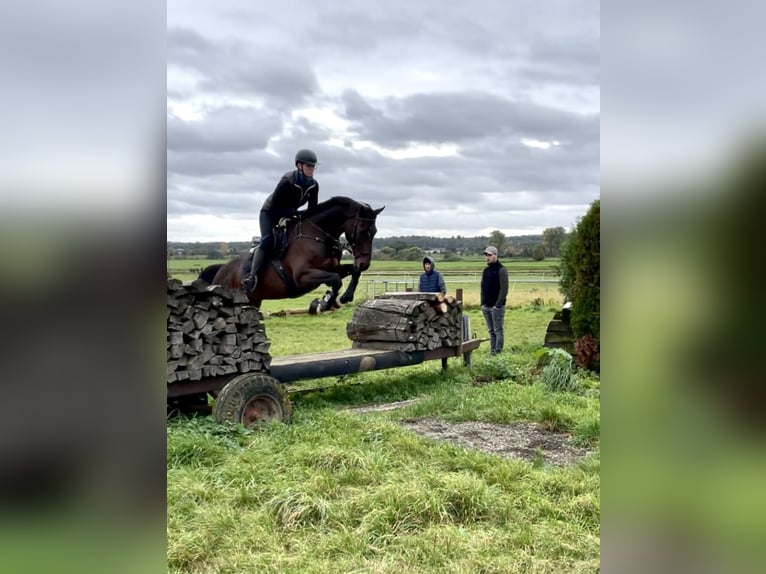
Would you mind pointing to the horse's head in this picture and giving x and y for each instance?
(360, 231)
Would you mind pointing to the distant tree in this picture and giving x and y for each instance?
(553, 237)
(386, 253)
(538, 253)
(214, 254)
(450, 255)
(581, 274)
(497, 238)
(223, 248)
(410, 254)
(398, 245)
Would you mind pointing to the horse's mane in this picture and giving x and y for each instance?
(335, 202)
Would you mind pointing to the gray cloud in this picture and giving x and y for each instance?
(434, 118)
(477, 78)
(226, 129)
(276, 73)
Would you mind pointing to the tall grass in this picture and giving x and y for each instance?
(339, 492)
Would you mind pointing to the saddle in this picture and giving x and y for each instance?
(274, 256)
(277, 251)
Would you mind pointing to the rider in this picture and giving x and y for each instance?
(295, 189)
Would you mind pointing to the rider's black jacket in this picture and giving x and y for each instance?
(290, 194)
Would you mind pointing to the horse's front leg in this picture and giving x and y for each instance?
(348, 294)
(318, 277)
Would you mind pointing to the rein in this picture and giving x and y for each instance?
(334, 243)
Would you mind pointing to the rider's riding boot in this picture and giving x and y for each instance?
(250, 281)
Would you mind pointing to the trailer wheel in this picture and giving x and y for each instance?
(251, 399)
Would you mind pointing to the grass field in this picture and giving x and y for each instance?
(529, 280)
(336, 492)
(469, 264)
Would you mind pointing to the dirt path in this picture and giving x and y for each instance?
(521, 440)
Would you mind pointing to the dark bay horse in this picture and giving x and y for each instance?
(312, 256)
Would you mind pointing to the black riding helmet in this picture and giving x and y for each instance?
(305, 156)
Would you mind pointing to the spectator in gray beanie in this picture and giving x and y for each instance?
(431, 281)
(494, 290)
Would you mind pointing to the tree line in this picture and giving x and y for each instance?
(409, 247)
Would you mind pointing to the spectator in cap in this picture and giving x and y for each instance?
(494, 290)
(431, 281)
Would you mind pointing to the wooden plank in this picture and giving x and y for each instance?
(559, 338)
(557, 326)
(318, 357)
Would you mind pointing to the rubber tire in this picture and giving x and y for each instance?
(253, 398)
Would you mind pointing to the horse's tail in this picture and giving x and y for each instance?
(209, 272)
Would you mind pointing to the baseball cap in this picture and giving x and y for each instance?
(491, 249)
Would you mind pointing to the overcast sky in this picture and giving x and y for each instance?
(459, 117)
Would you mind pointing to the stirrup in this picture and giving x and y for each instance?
(249, 282)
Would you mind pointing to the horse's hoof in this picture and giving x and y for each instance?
(314, 307)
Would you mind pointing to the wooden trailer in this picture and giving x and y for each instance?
(255, 397)
(216, 345)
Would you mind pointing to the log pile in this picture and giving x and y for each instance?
(407, 322)
(212, 331)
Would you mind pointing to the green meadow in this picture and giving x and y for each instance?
(530, 281)
(336, 491)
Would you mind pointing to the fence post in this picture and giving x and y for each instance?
(466, 328)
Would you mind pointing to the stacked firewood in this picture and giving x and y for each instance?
(407, 322)
(212, 331)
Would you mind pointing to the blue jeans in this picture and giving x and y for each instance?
(494, 316)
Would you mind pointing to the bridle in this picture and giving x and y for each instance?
(336, 244)
(353, 240)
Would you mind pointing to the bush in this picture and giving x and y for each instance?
(587, 353)
(557, 374)
(581, 274)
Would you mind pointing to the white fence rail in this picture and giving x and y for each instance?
(409, 282)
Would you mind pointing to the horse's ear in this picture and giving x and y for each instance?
(377, 211)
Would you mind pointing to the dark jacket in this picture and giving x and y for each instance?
(432, 281)
(494, 285)
(289, 195)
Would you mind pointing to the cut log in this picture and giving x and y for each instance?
(408, 308)
(413, 296)
(407, 322)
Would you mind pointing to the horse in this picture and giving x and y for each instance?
(312, 256)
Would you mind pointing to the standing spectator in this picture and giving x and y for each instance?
(431, 281)
(494, 290)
